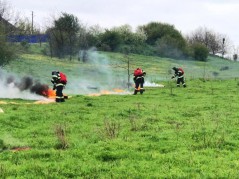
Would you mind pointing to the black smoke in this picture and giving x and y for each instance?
(39, 89)
(26, 83)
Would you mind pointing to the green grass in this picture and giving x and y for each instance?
(187, 133)
(40, 67)
(165, 133)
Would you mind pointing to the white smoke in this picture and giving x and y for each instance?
(152, 84)
(11, 91)
(97, 75)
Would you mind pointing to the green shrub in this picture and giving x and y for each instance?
(7, 51)
(200, 52)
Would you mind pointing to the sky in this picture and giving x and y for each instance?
(186, 15)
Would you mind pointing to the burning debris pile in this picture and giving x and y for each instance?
(24, 88)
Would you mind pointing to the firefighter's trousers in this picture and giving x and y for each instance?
(139, 82)
(181, 80)
(59, 93)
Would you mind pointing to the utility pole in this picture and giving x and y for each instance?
(223, 46)
(128, 72)
(32, 22)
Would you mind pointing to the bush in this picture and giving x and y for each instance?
(137, 49)
(25, 45)
(7, 50)
(7, 54)
(171, 47)
(200, 52)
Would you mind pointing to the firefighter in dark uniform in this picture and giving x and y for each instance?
(139, 81)
(178, 72)
(58, 85)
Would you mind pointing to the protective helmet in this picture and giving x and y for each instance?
(54, 72)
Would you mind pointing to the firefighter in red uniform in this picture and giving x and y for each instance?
(58, 85)
(178, 72)
(139, 75)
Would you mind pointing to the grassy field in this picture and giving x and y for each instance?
(40, 66)
(165, 133)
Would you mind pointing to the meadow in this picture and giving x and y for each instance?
(165, 133)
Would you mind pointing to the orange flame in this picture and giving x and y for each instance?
(133, 85)
(107, 92)
(49, 93)
(118, 90)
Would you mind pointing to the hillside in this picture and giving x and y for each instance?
(165, 133)
(112, 67)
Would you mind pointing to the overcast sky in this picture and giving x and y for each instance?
(186, 15)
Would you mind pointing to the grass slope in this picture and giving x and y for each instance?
(158, 69)
(166, 133)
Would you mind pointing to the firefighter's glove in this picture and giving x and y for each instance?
(54, 87)
(172, 77)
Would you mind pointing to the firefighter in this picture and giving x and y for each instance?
(58, 85)
(178, 72)
(139, 75)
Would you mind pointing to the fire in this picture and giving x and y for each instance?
(49, 93)
(107, 92)
(118, 90)
(133, 85)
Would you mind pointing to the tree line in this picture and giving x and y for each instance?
(69, 38)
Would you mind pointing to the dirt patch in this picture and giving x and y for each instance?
(45, 101)
(17, 149)
(1, 110)
(3, 102)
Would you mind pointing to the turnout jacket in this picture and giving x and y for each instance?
(139, 76)
(56, 80)
(178, 73)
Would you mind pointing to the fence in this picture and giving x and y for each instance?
(28, 38)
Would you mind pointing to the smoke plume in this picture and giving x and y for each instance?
(96, 75)
(23, 88)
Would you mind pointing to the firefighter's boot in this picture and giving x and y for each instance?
(58, 99)
(142, 91)
(135, 92)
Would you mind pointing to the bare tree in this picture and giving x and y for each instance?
(6, 11)
(6, 15)
(215, 42)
